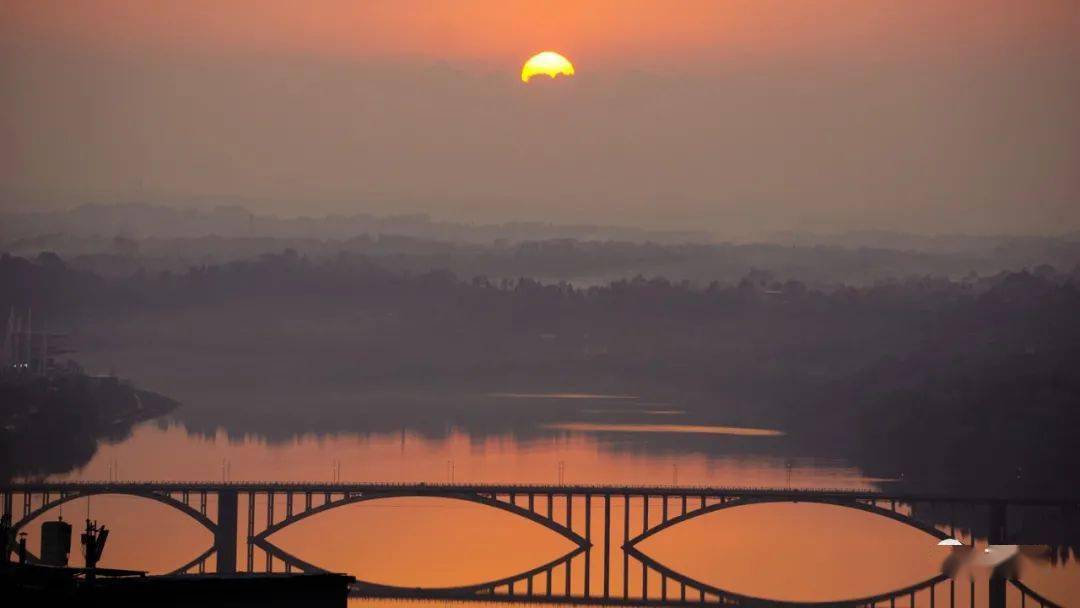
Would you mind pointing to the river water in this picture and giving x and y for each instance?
(794, 552)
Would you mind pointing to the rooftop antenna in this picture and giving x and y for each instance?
(93, 541)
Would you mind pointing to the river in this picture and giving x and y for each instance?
(793, 552)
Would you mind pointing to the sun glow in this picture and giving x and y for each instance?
(548, 63)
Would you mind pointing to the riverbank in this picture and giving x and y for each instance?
(52, 424)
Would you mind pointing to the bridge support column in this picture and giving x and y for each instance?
(251, 532)
(588, 537)
(607, 546)
(570, 511)
(625, 555)
(997, 590)
(644, 513)
(225, 533)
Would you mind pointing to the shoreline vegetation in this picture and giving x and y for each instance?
(51, 424)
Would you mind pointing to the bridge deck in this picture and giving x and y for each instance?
(793, 494)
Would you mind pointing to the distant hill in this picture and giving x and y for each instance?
(121, 240)
(928, 243)
(145, 221)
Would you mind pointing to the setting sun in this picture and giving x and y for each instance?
(311, 301)
(548, 63)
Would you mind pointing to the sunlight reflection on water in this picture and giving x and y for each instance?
(558, 396)
(697, 429)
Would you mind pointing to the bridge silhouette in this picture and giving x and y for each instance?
(217, 507)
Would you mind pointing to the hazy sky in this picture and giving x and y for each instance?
(737, 116)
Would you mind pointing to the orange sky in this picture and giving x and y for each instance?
(629, 32)
(736, 116)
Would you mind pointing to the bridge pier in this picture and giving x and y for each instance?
(225, 533)
(588, 537)
(607, 546)
(996, 586)
(625, 555)
(251, 532)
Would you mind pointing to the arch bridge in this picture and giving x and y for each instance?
(273, 506)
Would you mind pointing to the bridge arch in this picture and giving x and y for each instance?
(165, 499)
(198, 559)
(748, 600)
(1027, 592)
(869, 507)
(477, 588)
(382, 590)
(482, 499)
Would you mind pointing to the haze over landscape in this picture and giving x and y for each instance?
(755, 300)
(738, 118)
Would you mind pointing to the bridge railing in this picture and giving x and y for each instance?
(536, 488)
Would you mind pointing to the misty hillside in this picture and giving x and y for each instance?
(136, 221)
(119, 241)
